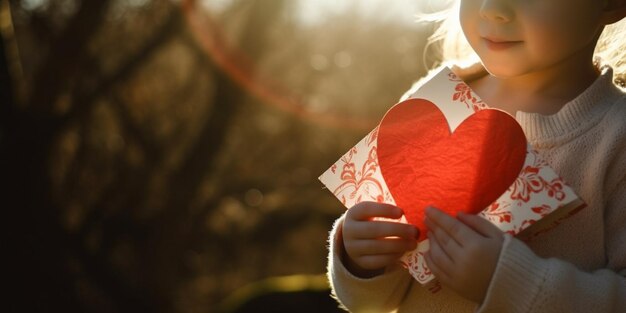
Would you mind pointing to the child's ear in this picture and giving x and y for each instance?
(614, 11)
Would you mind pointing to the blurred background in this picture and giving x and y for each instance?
(162, 156)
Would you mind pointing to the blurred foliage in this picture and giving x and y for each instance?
(141, 176)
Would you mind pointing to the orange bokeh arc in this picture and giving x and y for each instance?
(240, 70)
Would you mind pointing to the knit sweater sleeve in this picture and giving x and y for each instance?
(527, 283)
(383, 293)
(524, 282)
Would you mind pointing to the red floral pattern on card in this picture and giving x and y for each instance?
(333, 168)
(542, 210)
(453, 77)
(372, 137)
(464, 94)
(527, 183)
(415, 262)
(498, 211)
(555, 188)
(530, 182)
(359, 183)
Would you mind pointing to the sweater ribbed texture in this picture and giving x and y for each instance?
(575, 117)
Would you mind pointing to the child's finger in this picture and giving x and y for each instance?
(439, 273)
(456, 230)
(382, 246)
(438, 253)
(377, 261)
(480, 225)
(382, 229)
(364, 211)
(442, 240)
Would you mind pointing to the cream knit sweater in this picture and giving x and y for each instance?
(579, 266)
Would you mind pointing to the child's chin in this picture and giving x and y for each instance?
(504, 70)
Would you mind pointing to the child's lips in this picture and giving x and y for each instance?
(496, 44)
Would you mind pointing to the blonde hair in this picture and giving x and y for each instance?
(448, 45)
(611, 49)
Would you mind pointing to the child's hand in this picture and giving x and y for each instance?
(369, 245)
(463, 253)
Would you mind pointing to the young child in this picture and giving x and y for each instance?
(537, 63)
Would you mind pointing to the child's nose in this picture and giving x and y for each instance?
(499, 11)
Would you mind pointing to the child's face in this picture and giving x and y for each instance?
(517, 37)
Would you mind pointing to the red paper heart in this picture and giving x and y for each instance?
(423, 164)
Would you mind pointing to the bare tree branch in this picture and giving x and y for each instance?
(14, 73)
(62, 61)
(84, 102)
